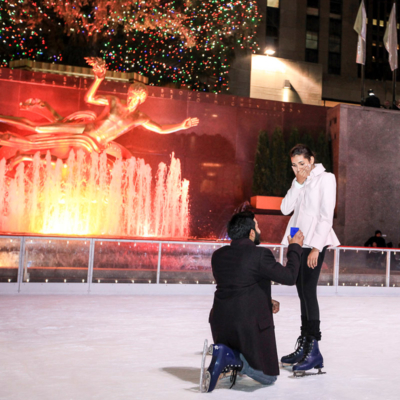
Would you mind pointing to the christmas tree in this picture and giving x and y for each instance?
(188, 44)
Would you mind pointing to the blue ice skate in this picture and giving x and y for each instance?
(312, 359)
(297, 355)
(223, 360)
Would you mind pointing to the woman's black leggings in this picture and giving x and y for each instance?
(306, 284)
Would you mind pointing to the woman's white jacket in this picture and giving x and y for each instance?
(313, 203)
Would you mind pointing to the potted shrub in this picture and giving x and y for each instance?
(270, 171)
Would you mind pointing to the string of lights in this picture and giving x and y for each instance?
(189, 44)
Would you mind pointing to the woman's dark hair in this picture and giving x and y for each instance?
(241, 224)
(302, 150)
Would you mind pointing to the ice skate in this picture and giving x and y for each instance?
(312, 359)
(223, 361)
(203, 361)
(297, 355)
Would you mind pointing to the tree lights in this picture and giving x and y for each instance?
(181, 43)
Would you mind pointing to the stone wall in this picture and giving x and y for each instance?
(366, 159)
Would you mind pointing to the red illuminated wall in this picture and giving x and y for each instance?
(217, 156)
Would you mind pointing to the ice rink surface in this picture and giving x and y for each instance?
(149, 347)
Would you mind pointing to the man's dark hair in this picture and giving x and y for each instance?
(376, 232)
(241, 224)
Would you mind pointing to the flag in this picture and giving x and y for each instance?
(360, 26)
(390, 38)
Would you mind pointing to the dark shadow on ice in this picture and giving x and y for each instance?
(189, 374)
(243, 384)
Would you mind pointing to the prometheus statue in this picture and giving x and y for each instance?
(83, 130)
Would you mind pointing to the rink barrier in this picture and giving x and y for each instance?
(75, 265)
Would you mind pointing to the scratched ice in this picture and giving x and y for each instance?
(148, 347)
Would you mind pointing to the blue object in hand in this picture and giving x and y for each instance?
(293, 231)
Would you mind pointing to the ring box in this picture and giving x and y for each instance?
(293, 231)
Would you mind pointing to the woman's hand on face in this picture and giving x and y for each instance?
(302, 174)
(312, 259)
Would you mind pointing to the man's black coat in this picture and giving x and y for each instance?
(241, 317)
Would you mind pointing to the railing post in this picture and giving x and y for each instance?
(21, 262)
(159, 263)
(281, 255)
(388, 253)
(336, 269)
(91, 262)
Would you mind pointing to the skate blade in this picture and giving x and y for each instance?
(203, 373)
(286, 365)
(302, 374)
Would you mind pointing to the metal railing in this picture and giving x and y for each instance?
(98, 261)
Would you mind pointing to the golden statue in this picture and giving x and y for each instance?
(83, 130)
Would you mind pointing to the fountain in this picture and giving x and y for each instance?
(84, 196)
(86, 183)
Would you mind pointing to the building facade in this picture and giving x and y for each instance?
(322, 32)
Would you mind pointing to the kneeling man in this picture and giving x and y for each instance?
(241, 319)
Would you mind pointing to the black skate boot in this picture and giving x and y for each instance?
(297, 355)
(312, 359)
(223, 360)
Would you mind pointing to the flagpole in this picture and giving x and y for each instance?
(394, 75)
(360, 26)
(362, 84)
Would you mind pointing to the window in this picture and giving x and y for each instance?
(334, 44)
(312, 37)
(312, 40)
(334, 61)
(313, 3)
(336, 7)
(335, 27)
(272, 24)
(312, 23)
(312, 56)
(273, 3)
(335, 41)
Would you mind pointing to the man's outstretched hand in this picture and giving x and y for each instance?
(297, 238)
(99, 66)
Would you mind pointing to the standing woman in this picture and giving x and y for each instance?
(312, 197)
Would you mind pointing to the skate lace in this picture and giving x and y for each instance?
(297, 346)
(233, 376)
(307, 350)
(298, 343)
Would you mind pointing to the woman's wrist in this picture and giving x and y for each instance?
(300, 183)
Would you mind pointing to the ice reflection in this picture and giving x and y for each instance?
(9, 259)
(56, 260)
(187, 263)
(395, 269)
(362, 268)
(125, 262)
